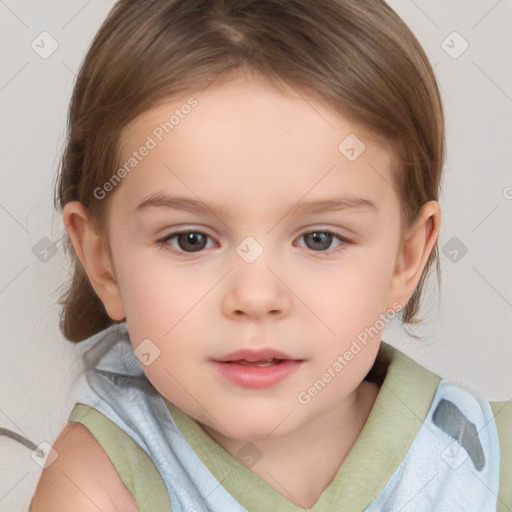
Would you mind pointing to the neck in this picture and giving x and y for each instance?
(301, 464)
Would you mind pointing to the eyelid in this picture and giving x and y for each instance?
(162, 241)
(180, 231)
(329, 252)
(303, 231)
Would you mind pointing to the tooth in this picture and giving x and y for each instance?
(268, 362)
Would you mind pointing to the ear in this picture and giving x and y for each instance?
(413, 255)
(95, 258)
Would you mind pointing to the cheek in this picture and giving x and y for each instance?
(351, 297)
(160, 303)
(152, 295)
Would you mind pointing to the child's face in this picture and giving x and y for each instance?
(256, 154)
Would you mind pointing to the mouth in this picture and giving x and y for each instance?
(256, 369)
(262, 356)
(261, 364)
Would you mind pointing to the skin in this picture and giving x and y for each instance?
(257, 151)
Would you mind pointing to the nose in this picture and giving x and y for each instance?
(255, 290)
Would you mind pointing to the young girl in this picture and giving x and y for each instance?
(250, 190)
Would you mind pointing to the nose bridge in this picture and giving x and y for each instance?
(253, 286)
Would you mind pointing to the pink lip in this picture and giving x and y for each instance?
(256, 377)
(254, 355)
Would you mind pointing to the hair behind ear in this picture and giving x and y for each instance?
(409, 314)
(83, 313)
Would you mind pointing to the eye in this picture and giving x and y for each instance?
(188, 242)
(320, 240)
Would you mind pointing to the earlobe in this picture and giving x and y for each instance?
(95, 259)
(418, 243)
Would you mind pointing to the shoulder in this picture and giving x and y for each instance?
(502, 412)
(81, 478)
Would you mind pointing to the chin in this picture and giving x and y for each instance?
(256, 424)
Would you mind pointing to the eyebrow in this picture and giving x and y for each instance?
(159, 200)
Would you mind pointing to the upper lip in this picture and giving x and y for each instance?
(254, 355)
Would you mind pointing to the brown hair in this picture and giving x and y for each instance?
(358, 56)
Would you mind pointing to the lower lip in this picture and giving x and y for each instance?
(257, 377)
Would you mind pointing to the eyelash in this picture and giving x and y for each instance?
(162, 242)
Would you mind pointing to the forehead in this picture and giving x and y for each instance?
(246, 140)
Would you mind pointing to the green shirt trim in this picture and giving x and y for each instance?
(134, 466)
(397, 415)
(399, 410)
(503, 416)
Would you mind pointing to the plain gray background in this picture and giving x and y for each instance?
(467, 331)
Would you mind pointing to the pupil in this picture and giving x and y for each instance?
(192, 241)
(323, 239)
